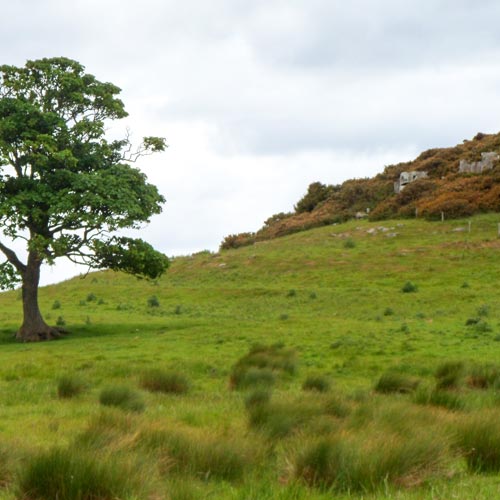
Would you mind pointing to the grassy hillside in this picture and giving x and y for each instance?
(354, 301)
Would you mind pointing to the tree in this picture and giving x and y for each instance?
(64, 187)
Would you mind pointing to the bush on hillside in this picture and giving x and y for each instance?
(316, 194)
(237, 241)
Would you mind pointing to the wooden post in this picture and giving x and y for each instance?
(470, 224)
(442, 216)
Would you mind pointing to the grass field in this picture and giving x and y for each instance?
(350, 361)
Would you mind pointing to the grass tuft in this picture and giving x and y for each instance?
(409, 287)
(70, 474)
(391, 381)
(122, 397)
(449, 374)
(200, 456)
(69, 386)
(479, 439)
(359, 463)
(262, 365)
(167, 382)
(317, 383)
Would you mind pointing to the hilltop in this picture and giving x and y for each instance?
(441, 189)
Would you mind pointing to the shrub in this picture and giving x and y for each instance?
(56, 305)
(409, 287)
(168, 382)
(153, 301)
(313, 295)
(60, 321)
(122, 397)
(291, 293)
(316, 383)
(69, 386)
(69, 474)
(479, 438)
(237, 240)
(391, 381)
(388, 311)
(91, 297)
(316, 193)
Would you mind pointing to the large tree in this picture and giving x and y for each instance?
(64, 187)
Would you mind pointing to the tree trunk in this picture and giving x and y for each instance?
(34, 328)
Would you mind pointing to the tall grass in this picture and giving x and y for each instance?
(167, 382)
(69, 386)
(478, 436)
(201, 456)
(122, 397)
(392, 381)
(350, 462)
(70, 474)
(262, 365)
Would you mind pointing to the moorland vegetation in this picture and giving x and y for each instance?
(445, 192)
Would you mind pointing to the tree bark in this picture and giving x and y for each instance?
(34, 328)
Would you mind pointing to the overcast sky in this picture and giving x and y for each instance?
(257, 99)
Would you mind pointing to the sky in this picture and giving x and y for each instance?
(259, 98)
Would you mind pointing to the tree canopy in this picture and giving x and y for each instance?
(64, 187)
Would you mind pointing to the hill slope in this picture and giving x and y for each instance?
(333, 294)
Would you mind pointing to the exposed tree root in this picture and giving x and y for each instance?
(40, 334)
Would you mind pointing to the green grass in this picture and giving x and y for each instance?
(344, 320)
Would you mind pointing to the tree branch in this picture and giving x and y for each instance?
(13, 258)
